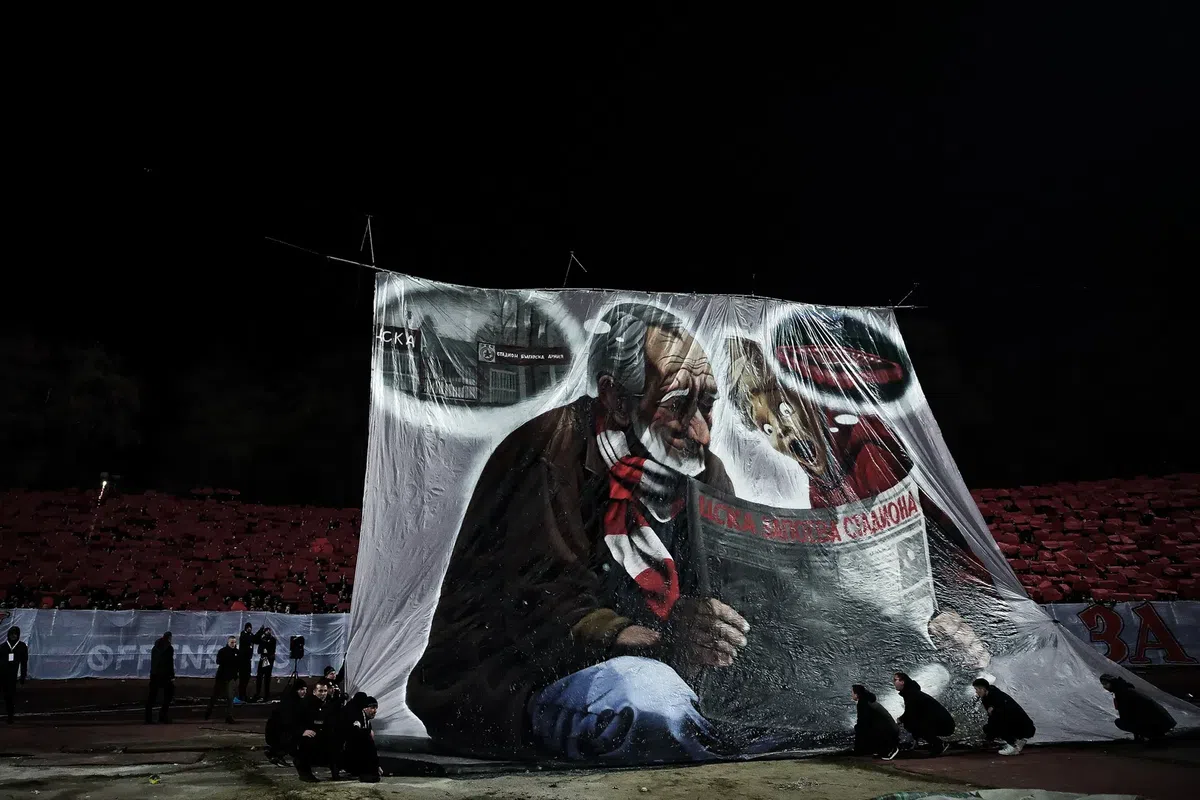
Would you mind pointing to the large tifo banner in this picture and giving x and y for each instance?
(634, 528)
(117, 644)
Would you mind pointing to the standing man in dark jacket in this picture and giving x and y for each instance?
(1007, 721)
(14, 668)
(266, 662)
(162, 676)
(925, 718)
(246, 644)
(1137, 713)
(875, 732)
(227, 672)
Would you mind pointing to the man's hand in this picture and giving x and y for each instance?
(636, 637)
(710, 631)
(310, 734)
(950, 627)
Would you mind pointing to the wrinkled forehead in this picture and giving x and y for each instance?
(670, 351)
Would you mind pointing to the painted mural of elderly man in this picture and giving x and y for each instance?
(562, 605)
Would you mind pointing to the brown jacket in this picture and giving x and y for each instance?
(523, 601)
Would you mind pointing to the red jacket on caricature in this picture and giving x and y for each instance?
(865, 459)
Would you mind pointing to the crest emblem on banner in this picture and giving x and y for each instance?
(487, 352)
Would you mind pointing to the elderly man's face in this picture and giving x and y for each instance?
(674, 417)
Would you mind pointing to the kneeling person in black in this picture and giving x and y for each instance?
(360, 756)
(875, 733)
(1007, 721)
(1136, 713)
(315, 744)
(925, 718)
(284, 723)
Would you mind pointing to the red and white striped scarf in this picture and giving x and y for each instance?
(632, 482)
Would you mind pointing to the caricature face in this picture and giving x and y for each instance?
(674, 417)
(790, 424)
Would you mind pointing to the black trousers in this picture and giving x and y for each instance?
(930, 733)
(360, 756)
(167, 686)
(244, 670)
(264, 674)
(316, 751)
(875, 743)
(1145, 731)
(8, 686)
(222, 690)
(1006, 731)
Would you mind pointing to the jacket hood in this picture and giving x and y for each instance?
(910, 687)
(1116, 682)
(864, 694)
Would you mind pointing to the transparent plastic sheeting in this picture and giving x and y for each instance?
(117, 644)
(558, 483)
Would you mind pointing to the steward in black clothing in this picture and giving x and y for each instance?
(245, 659)
(284, 721)
(335, 706)
(925, 718)
(359, 756)
(266, 662)
(1137, 713)
(162, 677)
(1007, 721)
(14, 668)
(875, 733)
(227, 672)
(316, 742)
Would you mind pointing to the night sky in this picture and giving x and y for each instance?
(1033, 176)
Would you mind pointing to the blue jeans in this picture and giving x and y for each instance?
(625, 710)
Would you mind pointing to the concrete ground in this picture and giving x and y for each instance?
(86, 740)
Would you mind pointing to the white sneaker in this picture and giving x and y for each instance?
(1009, 750)
(1019, 745)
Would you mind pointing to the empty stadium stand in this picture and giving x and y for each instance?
(1116, 540)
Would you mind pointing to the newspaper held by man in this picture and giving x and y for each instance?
(833, 596)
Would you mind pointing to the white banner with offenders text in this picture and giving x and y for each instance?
(116, 644)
